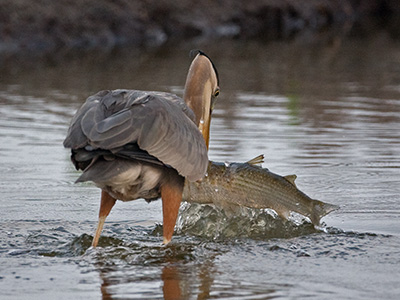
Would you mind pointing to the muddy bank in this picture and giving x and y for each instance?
(46, 26)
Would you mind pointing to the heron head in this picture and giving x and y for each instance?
(201, 91)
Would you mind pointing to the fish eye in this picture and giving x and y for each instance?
(216, 93)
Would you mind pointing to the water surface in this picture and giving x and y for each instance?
(328, 112)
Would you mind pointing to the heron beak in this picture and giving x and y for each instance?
(205, 121)
(200, 87)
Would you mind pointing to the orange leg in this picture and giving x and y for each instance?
(106, 204)
(171, 195)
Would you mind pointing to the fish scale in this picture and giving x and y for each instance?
(249, 185)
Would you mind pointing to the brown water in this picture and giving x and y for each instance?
(328, 112)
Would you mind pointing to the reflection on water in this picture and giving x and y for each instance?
(329, 113)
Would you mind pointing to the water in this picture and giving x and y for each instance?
(328, 112)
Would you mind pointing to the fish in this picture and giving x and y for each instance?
(230, 185)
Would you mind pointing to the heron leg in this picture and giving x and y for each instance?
(171, 195)
(106, 204)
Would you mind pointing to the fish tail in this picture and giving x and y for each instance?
(321, 209)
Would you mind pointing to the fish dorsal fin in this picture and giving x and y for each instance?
(256, 161)
(291, 178)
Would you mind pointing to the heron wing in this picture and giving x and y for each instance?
(159, 123)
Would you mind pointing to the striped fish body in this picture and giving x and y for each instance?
(249, 185)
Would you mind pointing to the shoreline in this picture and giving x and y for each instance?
(50, 27)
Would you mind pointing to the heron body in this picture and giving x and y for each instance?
(137, 144)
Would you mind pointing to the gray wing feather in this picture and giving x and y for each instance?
(159, 123)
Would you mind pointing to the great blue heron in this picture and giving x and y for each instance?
(138, 144)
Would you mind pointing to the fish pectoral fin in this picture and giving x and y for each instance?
(283, 213)
(291, 179)
(229, 208)
(256, 161)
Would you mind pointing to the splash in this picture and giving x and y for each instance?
(210, 222)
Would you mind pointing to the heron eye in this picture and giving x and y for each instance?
(216, 93)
